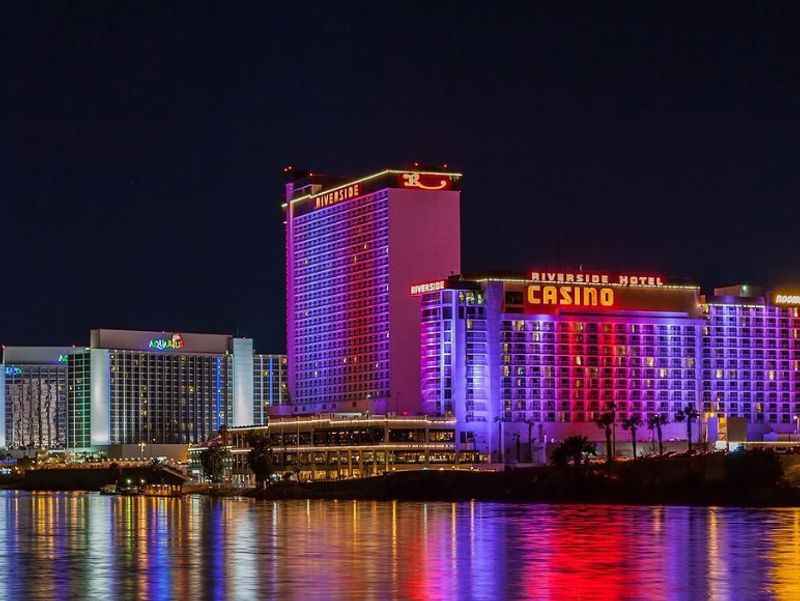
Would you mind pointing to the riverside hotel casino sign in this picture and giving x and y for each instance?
(581, 292)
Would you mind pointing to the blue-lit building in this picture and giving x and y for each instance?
(131, 387)
(270, 386)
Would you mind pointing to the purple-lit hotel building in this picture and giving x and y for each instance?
(354, 248)
(379, 321)
(528, 360)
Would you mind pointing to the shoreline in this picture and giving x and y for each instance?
(750, 479)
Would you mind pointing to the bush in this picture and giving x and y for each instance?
(756, 468)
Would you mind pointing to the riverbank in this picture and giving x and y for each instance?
(752, 478)
(744, 479)
(60, 477)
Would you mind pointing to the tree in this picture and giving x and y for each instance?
(573, 448)
(260, 460)
(530, 423)
(655, 422)
(632, 423)
(606, 423)
(213, 462)
(688, 415)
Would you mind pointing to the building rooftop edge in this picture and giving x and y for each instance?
(350, 182)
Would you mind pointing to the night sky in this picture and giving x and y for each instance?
(141, 149)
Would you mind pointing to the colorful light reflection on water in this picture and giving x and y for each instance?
(84, 546)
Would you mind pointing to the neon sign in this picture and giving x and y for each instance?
(570, 296)
(13, 371)
(173, 343)
(329, 198)
(787, 299)
(63, 358)
(418, 289)
(596, 278)
(412, 180)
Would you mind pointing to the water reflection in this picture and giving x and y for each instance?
(80, 546)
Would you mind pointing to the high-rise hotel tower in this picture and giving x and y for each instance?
(356, 249)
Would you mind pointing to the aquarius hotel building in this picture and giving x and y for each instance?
(135, 388)
(380, 319)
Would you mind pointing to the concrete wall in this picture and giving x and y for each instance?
(100, 397)
(242, 382)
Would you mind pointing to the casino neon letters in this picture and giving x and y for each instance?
(570, 296)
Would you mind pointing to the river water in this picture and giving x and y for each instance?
(85, 546)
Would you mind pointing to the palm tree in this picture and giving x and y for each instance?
(632, 423)
(606, 422)
(654, 422)
(530, 423)
(689, 414)
(574, 448)
(260, 460)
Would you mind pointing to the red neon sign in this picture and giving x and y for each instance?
(424, 181)
(418, 289)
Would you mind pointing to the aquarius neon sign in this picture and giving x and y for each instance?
(63, 358)
(13, 371)
(173, 343)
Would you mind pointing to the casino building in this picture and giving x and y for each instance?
(523, 361)
(33, 397)
(133, 387)
(353, 249)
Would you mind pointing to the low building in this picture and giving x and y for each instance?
(337, 446)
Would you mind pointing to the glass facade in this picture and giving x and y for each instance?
(751, 362)
(168, 398)
(36, 406)
(269, 385)
(79, 401)
(454, 354)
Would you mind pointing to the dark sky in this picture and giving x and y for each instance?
(141, 148)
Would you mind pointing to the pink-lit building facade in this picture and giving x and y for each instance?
(354, 249)
(524, 362)
(379, 321)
